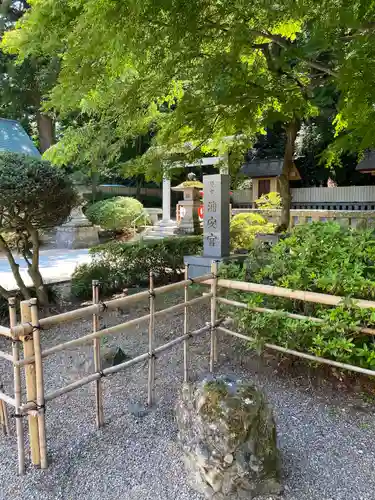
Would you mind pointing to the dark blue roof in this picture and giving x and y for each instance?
(14, 139)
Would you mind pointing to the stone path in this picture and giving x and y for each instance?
(55, 266)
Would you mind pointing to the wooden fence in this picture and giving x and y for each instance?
(28, 335)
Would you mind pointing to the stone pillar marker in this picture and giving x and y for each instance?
(216, 200)
(166, 201)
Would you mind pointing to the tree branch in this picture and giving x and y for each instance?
(321, 67)
(285, 44)
(15, 268)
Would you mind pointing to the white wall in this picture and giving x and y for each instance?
(350, 194)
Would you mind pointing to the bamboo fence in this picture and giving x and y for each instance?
(28, 335)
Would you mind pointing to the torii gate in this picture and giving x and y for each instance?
(166, 195)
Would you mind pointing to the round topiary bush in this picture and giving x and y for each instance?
(33, 193)
(244, 227)
(117, 214)
(34, 196)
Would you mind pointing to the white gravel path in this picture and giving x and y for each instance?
(326, 437)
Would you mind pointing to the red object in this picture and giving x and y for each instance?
(200, 212)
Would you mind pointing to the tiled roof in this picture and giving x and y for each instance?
(263, 168)
(368, 162)
(13, 138)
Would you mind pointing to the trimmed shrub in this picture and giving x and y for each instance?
(244, 227)
(318, 257)
(269, 201)
(118, 265)
(116, 214)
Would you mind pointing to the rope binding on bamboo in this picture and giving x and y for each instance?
(37, 407)
(102, 306)
(35, 328)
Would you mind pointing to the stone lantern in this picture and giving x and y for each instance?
(189, 206)
(77, 232)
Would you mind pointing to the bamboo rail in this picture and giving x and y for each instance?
(114, 369)
(235, 303)
(5, 332)
(7, 399)
(112, 330)
(317, 298)
(303, 355)
(111, 305)
(6, 356)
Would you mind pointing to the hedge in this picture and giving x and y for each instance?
(119, 265)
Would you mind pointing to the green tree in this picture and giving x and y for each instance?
(34, 196)
(200, 72)
(23, 86)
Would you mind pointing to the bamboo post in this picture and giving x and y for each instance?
(97, 360)
(39, 383)
(213, 353)
(17, 388)
(2, 416)
(151, 355)
(28, 351)
(186, 326)
(4, 419)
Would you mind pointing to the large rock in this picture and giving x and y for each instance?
(112, 356)
(228, 436)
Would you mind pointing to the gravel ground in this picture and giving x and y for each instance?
(325, 436)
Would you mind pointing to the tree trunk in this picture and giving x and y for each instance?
(94, 183)
(286, 199)
(46, 131)
(33, 269)
(139, 180)
(15, 270)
